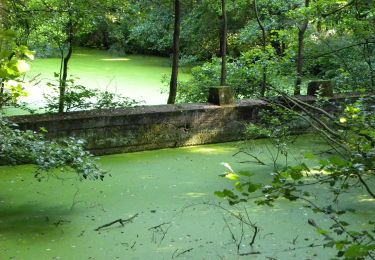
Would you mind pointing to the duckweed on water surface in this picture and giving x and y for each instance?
(135, 76)
(55, 219)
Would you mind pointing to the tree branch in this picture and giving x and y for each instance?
(366, 186)
(121, 221)
(338, 9)
(340, 49)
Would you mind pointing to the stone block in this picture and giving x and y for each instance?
(222, 95)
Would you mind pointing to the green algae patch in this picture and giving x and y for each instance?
(168, 195)
(135, 76)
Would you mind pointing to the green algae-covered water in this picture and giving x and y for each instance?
(135, 76)
(171, 188)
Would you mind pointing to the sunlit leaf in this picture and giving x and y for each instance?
(232, 176)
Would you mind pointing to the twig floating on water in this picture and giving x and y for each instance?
(184, 252)
(121, 221)
(253, 156)
(158, 226)
(159, 229)
(250, 253)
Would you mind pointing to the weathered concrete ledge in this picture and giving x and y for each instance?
(151, 127)
(148, 127)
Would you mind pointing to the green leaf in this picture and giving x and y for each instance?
(309, 155)
(322, 231)
(238, 186)
(219, 194)
(232, 176)
(225, 193)
(355, 251)
(336, 160)
(344, 224)
(229, 194)
(296, 174)
(252, 187)
(340, 245)
(324, 163)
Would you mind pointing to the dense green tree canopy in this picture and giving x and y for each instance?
(269, 43)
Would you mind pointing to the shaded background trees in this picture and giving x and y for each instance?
(280, 43)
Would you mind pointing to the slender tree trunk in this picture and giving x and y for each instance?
(299, 61)
(176, 53)
(1, 93)
(367, 53)
(264, 45)
(224, 33)
(2, 14)
(65, 62)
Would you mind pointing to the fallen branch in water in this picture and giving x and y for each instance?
(253, 156)
(250, 253)
(121, 221)
(160, 225)
(183, 252)
(159, 229)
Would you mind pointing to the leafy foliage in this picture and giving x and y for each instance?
(338, 42)
(17, 146)
(79, 97)
(244, 75)
(13, 64)
(352, 165)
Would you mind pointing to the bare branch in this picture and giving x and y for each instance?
(340, 49)
(121, 221)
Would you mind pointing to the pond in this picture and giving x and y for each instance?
(170, 188)
(135, 76)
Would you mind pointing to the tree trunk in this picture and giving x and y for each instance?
(224, 33)
(1, 93)
(367, 53)
(3, 17)
(65, 62)
(176, 53)
(299, 60)
(264, 45)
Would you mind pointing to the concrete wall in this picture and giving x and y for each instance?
(150, 127)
